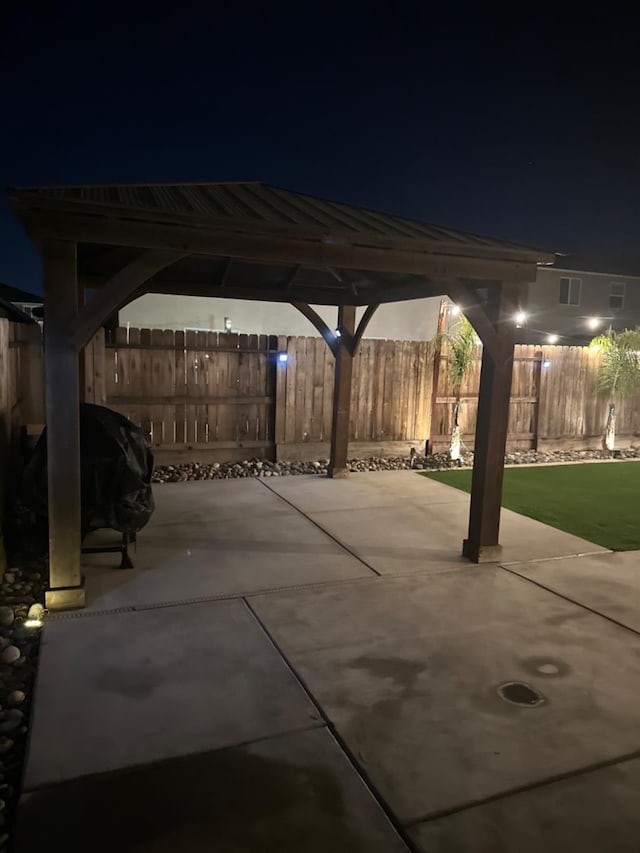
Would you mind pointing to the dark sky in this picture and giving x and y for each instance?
(513, 119)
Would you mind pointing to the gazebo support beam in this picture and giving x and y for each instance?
(482, 544)
(342, 392)
(63, 426)
(115, 292)
(316, 320)
(362, 326)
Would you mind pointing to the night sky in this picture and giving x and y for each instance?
(512, 119)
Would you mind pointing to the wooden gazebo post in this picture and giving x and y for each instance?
(482, 544)
(342, 391)
(62, 400)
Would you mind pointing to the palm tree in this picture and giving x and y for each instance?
(462, 351)
(618, 373)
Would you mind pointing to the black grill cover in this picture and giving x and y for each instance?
(116, 468)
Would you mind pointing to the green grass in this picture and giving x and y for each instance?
(599, 502)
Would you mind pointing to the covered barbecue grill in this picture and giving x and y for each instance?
(116, 468)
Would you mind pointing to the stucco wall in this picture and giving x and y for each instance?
(412, 321)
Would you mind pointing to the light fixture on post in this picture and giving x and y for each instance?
(552, 339)
(520, 319)
(227, 324)
(455, 309)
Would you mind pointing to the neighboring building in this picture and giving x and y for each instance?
(26, 303)
(577, 298)
(410, 321)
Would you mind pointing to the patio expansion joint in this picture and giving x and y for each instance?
(234, 596)
(522, 789)
(598, 552)
(361, 773)
(512, 570)
(321, 528)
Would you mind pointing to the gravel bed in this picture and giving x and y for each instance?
(436, 462)
(21, 606)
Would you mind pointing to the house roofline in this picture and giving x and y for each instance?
(613, 275)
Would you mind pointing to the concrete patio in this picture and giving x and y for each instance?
(305, 664)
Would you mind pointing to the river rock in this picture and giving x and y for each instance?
(36, 611)
(10, 655)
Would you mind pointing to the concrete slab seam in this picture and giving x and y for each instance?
(319, 526)
(571, 600)
(559, 557)
(366, 781)
(230, 596)
(523, 789)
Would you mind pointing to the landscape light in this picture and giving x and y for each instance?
(520, 318)
(552, 339)
(283, 357)
(33, 623)
(455, 310)
(593, 323)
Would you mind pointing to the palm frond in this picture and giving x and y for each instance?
(619, 368)
(462, 347)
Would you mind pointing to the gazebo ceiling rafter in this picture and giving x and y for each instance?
(252, 241)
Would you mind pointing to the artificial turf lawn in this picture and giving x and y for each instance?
(599, 502)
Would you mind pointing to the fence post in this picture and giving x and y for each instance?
(537, 393)
(437, 361)
(341, 415)
(280, 402)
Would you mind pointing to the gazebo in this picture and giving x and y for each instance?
(254, 241)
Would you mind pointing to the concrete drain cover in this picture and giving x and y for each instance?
(519, 693)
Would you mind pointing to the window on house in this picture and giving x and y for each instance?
(570, 291)
(616, 296)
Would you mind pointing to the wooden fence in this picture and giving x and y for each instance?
(209, 396)
(390, 397)
(554, 401)
(197, 395)
(204, 396)
(21, 385)
(526, 399)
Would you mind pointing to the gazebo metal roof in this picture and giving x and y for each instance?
(243, 201)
